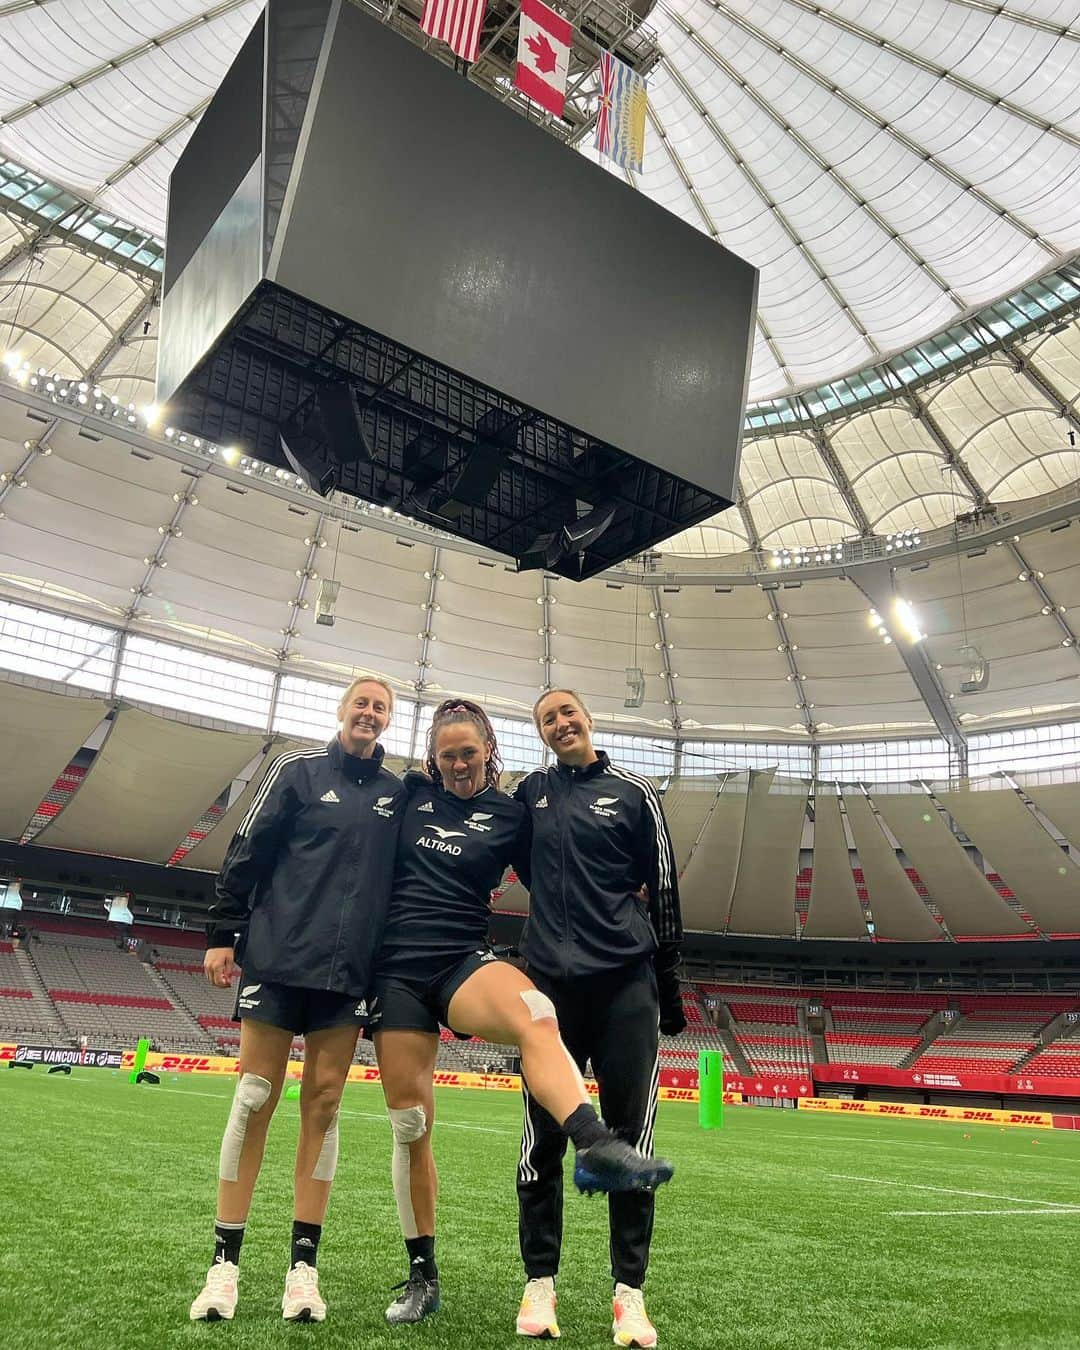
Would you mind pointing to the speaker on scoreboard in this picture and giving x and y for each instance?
(343, 419)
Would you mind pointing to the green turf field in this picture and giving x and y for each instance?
(783, 1230)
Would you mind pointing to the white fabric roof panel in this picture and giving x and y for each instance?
(40, 733)
(884, 178)
(151, 780)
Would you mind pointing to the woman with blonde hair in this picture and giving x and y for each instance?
(459, 833)
(299, 906)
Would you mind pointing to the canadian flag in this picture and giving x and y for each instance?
(543, 56)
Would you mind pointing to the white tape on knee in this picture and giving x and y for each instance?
(326, 1163)
(252, 1093)
(408, 1124)
(538, 1004)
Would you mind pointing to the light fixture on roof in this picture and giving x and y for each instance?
(907, 621)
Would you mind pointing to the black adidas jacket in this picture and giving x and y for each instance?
(304, 888)
(598, 835)
(451, 855)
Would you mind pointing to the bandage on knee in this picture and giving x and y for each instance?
(408, 1124)
(538, 1004)
(326, 1163)
(252, 1093)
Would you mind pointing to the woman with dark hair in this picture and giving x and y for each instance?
(602, 941)
(458, 835)
(299, 904)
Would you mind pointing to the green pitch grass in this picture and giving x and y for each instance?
(784, 1231)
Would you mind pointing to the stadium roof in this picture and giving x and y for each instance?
(912, 196)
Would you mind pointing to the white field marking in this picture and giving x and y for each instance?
(948, 1190)
(907, 1143)
(949, 1214)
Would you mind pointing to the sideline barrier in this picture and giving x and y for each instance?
(971, 1115)
(216, 1065)
(929, 1079)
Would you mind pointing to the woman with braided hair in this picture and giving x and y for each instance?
(458, 835)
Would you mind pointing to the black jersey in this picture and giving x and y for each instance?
(598, 836)
(303, 891)
(451, 855)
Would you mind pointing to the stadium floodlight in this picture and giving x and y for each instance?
(907, 621)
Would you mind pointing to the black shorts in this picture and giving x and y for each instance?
(294, 1009)
(419, 999)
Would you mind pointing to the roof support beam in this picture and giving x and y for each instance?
(429, 608)
(675, 159)
(795, 677)
(877, 581)
(996, 11)
(123, 59)
(307, 574)
(1038, 377)
(1049, 607)
(673, 701)
(969, 188)
(922, 414)
(793, 134)
(912, 58)
(25, 249)
(843, 482)
(771, 203)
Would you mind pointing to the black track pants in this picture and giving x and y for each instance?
(612, 1019)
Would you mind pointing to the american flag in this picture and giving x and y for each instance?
(620, 121)
(457, 23)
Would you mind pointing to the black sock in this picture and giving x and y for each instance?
(305, 1242)
(422, 1253)
(227, 1240)
(584, 1126)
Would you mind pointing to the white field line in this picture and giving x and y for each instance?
(949, 1214)
(948, 1190)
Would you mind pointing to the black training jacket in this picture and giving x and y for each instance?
(598, 835)
(451, 856)
(304, 888)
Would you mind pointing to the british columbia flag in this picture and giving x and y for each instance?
(620, 120)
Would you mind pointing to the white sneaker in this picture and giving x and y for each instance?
(217, 1302)
(301, 1301)
(631, 1325)
(536, 1316)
